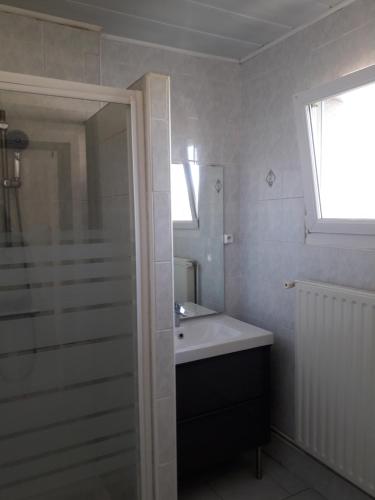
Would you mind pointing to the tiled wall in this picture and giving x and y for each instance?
(156, 91)
(205, 113)
(205, 95)
(45, 49)
(272, 219)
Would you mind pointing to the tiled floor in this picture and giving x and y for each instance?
(237, 482)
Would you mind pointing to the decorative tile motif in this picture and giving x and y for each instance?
(271, 178)
(218, 186)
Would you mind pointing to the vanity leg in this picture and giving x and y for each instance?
(259, 465)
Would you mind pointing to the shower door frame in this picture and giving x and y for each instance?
(63, 88)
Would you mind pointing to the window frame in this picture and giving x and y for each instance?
(348, 232)
(194, 223)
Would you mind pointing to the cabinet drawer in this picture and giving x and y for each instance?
(217, 437)
(209, 384)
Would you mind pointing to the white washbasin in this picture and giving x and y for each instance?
(216, 335)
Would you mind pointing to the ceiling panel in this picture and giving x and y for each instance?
(226, 28)
(195, 16)
(330, 3)
(177, 37)
(292, 13)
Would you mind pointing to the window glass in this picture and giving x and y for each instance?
(181, 209)
(344, 154)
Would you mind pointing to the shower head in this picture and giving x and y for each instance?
(17, 140)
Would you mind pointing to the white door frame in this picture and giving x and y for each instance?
(60, 88)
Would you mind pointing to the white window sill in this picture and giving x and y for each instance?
(349, 241)
(183, 225)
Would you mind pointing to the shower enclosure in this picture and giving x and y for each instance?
(71, 405)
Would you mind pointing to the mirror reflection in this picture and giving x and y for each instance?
(197, 213)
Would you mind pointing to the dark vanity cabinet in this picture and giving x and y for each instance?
(222, 407)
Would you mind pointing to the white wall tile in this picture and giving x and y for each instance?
(21, 42)
(117, 75)
(167, 487)
(166, 430)
(92, 68)
(293, 220)
(162, 226)
(159, 98)
(270, 220)
(164, 364)
(164, 296)
(160, 155)
(292, 183)
(69, 53)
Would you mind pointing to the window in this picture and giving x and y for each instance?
(184, 193)
(337, 142)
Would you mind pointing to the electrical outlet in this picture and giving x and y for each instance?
(228, 238)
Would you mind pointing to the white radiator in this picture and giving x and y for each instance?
(335, 379)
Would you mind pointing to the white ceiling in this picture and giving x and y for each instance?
(232, 29)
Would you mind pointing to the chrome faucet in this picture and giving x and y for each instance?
(179, 312)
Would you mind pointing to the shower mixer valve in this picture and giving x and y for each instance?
(15, 181)
(17, 141)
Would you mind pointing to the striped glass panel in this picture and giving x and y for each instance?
(68, 413)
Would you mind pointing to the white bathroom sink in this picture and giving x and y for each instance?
(216, 335)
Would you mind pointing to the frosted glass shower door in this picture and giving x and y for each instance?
(68, 310)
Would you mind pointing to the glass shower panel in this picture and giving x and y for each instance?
(68, 390)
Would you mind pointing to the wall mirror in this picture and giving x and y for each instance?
(197, 213)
